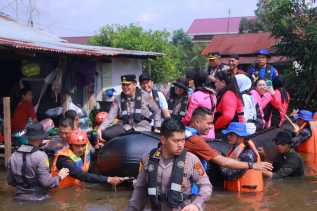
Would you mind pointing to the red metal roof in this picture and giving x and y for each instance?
(240, 43)
(252, 59)
(210, 26)
(245, 45)
(79, 40)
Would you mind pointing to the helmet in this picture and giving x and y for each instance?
(77, 137)
(100, 117)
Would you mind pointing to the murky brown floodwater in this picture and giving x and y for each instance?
(299, 194)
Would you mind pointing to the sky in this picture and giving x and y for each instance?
(86, 17)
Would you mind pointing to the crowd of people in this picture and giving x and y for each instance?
(223, 102)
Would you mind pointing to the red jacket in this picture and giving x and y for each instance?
(280, 106)
(229, 106)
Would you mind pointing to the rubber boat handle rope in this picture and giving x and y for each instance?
(290, 121)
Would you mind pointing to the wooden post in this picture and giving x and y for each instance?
(7, 128)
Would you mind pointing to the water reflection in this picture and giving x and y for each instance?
(292, 194)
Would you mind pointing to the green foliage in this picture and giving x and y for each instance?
(179, 52)
(250, 26)
(294, 23)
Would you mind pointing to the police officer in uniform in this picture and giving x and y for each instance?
(262, 70)
(28, 168)
(215, 64)
(147, 84)
(167, 173)
(134, 108)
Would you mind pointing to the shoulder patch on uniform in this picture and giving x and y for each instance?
(198, 168)
(47, 163)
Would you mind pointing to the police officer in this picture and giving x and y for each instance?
(28, 168)
(147, 84)
(167, 173)
(134, 108)
(262, 70)
(287, 163)
(215, 64)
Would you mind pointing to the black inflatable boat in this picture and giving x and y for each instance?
(121, 155)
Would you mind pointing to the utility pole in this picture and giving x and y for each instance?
(17, 10)
(228, 22)
(31, 11)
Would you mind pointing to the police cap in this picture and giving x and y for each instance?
(145, 77)
(126, 79)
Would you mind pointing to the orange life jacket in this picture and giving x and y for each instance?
(251, 180)
(84, 165)
(310, 160)
(310, 145)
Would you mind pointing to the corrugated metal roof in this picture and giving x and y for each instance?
(252, 59)
(240, 43)
(245, 45)
(84, 40)
(213, 26)
(13, 34)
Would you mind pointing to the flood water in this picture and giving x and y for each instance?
(299, 194)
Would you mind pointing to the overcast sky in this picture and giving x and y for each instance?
(85, 17)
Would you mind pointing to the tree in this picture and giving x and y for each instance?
(189, 52)
(250, 26)
(176, 50)
(133, 37)
(179, 52)
(294, 23)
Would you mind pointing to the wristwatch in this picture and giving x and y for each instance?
(250, 164)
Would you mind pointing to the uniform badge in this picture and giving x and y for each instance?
(157, 154)
(199, 169)
(47, 163)
(180, 164)
(151, 168)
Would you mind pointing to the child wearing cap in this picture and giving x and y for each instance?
(244, 149)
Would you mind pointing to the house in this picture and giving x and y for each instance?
(245, 45)
(202, 30)
(84, 40)
(32, 56)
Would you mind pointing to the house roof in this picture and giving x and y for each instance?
(240, 43)
(15, 35)
(84, 40)
(245, 45)
(212, 26)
